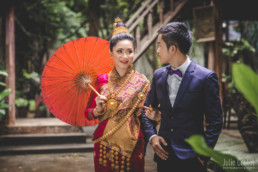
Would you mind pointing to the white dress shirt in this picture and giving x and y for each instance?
(174, 81)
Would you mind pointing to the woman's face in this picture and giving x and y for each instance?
(123, 54)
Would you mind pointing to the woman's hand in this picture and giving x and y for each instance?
(154, 115)
(100, 105)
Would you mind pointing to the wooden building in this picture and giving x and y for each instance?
(169, 10)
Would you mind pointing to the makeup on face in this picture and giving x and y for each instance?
(123, 54)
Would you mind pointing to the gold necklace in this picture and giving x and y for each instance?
(112, 103)
(141, 97)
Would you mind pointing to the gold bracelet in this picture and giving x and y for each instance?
(90, 114)
(101, 113)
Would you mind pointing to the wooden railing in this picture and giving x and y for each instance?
(147, 20)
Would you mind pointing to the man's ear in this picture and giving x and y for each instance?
(172, 49)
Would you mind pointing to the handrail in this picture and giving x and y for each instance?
(136, 14)
(143, 15)
(147, 10)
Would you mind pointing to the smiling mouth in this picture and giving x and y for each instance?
(124, 62)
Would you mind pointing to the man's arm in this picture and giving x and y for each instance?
(213, 112)
(148, 125)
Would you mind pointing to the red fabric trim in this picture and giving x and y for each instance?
(102, 79)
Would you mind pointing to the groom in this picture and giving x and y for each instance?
(187, 94)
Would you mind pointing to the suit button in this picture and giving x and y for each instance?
(171, 130)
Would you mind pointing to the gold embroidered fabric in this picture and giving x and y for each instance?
(125, 138)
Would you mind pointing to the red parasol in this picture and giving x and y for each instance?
(69, 76)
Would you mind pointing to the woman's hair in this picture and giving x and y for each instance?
(121, 35)
(176, 33)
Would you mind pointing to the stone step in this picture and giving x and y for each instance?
(40, 125)
(41, 139)
(43, 149)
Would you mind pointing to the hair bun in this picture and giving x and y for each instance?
(118, 20)
(119, 27)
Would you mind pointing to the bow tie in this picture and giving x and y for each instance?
(177, 72)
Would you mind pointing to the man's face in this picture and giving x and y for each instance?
(163, 51)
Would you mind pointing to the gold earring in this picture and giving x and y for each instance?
(131, 66)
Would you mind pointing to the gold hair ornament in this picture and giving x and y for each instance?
(120, 29)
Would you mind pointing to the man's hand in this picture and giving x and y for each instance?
(156, 142)
(201, 161)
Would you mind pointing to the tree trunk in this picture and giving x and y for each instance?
(94, 26)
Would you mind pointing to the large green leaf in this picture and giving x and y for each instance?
(4, 93)
(228, 162)
(246, 81)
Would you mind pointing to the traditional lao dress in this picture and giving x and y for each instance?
(119, 141)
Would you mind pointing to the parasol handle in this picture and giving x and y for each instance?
(93, 89)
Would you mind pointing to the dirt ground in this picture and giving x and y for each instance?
(64, 162)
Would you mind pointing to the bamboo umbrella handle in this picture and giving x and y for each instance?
(93, 89)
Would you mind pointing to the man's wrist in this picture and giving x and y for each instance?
(152, 137)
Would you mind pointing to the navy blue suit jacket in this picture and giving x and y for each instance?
(198, 96)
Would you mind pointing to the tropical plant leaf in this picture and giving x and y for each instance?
(3, 73)
(3, 105)
(4, 93)
(2, 84)
(246, 81)
(228, 162)
(21, 102)
(2, 113)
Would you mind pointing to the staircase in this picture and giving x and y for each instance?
(148, 19)
(45, 135)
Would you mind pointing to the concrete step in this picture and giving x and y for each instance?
(45, 135)
(43, 149)
(42, 139)
(40, 125)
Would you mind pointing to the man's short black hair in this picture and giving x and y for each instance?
(177, 33)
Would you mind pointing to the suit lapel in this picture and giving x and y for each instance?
(184, 83)
(165, 90)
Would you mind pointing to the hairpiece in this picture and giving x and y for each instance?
(119, 29)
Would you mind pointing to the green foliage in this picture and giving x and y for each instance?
(250, 32)
(246, 81)
(32, 105)
(30, 75)
(3, 94)
(3, 73)
(21, 102)
(237, 50)
(200, 146)
(240, 52)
